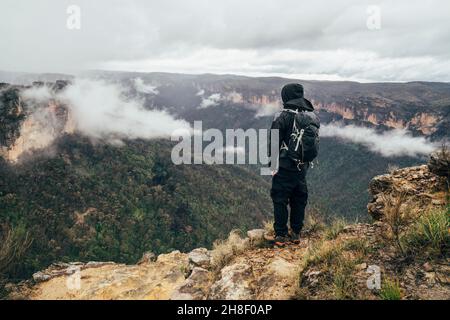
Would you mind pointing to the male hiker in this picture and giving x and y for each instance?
(298, 141)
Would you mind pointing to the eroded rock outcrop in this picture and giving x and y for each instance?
(421, 187)
(99, 281)
(28, 122)
(256, 273)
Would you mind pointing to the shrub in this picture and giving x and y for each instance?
(397, 219)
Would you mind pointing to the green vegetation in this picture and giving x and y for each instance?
(395, 218)
(390, 290)
(14, 243)
(103, 202)
(336, 264)
(430, 232)
(359, 245)
(343, 279)
(336, 227)
(338, 182)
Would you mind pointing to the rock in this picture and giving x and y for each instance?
(430, 277)
(195, 287)
(41, 276)
(312, 277)
(236, 283)
(362, 266)
(410, 275)
(147, 257)
(62, 268)
(98, 281)
(427, 267)
(95, 264)
(439, 163)
(422, 188)
(282, 268)
(200, 257)
(175, 255)
(380, 183)
(256, 236)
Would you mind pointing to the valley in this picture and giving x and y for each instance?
(112, 198)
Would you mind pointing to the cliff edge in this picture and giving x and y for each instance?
(403, 254)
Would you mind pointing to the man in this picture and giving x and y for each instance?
(289, 181)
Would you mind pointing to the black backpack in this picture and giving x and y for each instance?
(303, 143)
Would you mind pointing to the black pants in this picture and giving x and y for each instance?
(289, 187)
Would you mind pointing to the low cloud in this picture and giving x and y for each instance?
(265, 110)
(38, 94)
(391, 143)
(142, 87)
(212, 100)
(233, 97)
(100, 110)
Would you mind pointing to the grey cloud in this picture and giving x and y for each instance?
(391, 143)
(146, 35)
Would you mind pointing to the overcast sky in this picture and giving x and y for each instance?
(312, 39)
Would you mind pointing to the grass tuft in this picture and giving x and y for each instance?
(432, 231)
(390, 290)
(268, 227)
(224, 250)
(335, 229)
(343, 280)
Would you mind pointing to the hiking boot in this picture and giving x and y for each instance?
(294, 237)
(280, 241)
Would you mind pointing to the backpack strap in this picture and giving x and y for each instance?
(290, 110)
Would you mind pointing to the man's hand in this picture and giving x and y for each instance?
(274, 172)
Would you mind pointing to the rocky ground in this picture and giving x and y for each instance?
(255, 273)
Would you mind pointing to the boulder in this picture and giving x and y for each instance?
(256, 236)
(421, 187)
(200, 257)
(439, 163)
(104, 281)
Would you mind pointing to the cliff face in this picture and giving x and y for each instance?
(420, 107)
(335, 262)
(357, 110)
(29, 125)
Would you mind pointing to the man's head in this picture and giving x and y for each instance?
(292, 96)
